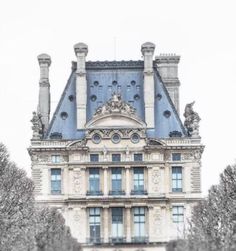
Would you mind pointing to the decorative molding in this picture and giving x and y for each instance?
(77, 181)
(156, 179)
(94, 65)
(37, 126)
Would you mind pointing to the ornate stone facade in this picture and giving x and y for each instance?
(119, 185)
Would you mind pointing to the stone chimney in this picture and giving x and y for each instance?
(147, 50)
(167, 65)
(44, 90)
(81, 51)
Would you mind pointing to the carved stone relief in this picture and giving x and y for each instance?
(77, 182)
(157, 221)
(156, 178)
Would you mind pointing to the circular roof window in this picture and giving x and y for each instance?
(93, 98)
(158, 96)
(114, 82)
(167, 113)
(71, 98)
(135, 138)
(136, 97)
(133, 82)
(116, 138)
(96, 138)
(95, 83)
(64, 115)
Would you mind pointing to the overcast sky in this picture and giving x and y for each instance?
(202, 32)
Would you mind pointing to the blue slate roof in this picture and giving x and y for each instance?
(104, 78)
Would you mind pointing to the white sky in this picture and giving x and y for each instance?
(202, 32)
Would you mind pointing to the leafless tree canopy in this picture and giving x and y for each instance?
(23, 226)
(213, 223)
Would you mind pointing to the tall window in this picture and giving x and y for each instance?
(138, 157)
(55, 158)
(176, 179)
(116, 180)
(178, 214)
(56, 181)
(94, 157)
(116, 157)
(139, 222)
(94, 186)
(94, 224)
(117, 222)
(138, 179)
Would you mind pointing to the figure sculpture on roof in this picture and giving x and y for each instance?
(115, 104)
(192, 120)
(37, 126)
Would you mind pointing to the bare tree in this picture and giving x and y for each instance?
(24, 226)
(16, 204)
(213, 221)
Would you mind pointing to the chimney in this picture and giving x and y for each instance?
(147, 50)
(167, 65)
(44, 90)
(81, 51)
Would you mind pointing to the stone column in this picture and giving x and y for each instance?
(44, 90)
(106, 224)
(147, 50)
(128, 223)
(81, 51)
(105, 181)
(127, 179)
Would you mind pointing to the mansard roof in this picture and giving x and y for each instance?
(105, 78)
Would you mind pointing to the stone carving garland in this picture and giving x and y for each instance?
(77, 182)
(157, 221)
(156, 180)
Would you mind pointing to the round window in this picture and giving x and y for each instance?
(135, 138)
(115, 138)
(158, 96)
(64, 115)
(114, 82)
(96, 83)
(136, 97)
(96, 138)
(93, 98)
(71, 98)
(167, 113)
(133, 82)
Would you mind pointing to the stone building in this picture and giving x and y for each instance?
(115, 158)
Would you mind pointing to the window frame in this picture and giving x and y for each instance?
(56, 158)
(138, 180)
(141, 223)
(178, 215)
(115, 155)
(95, 221)
(176, 182)
(92, 177)
(118, 221)
(138, 155)
(96, 155)
(56, 180)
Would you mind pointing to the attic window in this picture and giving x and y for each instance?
(135, 138)
(71, 98)
(93, 98)
(116, 138)
(114, 82)
(158, 96)
(167, 113)
(136, 97)
(133, 82)
(64, 115)
(96, 83)
(96, 138)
